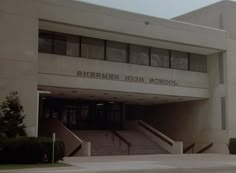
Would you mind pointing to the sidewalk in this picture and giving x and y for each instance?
(141, 163)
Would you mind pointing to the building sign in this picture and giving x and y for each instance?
(126, 78)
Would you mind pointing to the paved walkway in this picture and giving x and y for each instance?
(144, 163)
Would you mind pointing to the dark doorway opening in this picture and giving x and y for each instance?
(82, 114)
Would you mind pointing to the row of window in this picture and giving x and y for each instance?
(80, 46)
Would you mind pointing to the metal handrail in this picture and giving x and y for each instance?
(155, 133)
(121, 138)
(189, 148)
(205, 148)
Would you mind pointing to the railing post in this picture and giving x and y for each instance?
(177, 148)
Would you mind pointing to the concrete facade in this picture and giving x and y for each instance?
(220, 15)
(203, 103)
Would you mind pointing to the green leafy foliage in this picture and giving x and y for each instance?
(11, 117)
(31, 150)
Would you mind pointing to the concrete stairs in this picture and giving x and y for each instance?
(103, 142)
(141, 144)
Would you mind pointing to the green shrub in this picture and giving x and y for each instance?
(12, 117)
(232, 146)
(30, 150)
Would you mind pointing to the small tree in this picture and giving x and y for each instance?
(11, 117)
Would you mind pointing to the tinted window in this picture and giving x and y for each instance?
(72, 45)
(92, 48)
(60, 44)
(139, 55)
(116, 51)
(179, 60)
(45, 41)
(160, 57)
(198, 63)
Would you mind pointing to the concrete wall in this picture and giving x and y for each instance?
(210, 16)
(222, 15)
(19, 55)
(190, 84)
(219, 15)
(116, 21)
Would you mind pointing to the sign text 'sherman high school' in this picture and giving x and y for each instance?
(126, 78)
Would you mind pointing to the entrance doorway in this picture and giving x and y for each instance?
(83, 115)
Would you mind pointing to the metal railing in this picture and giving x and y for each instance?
(121, 139)
(190, 147)
(154, 132)
(208, 146)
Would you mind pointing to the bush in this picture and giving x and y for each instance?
(12, 117)
(232, 146)
(30, 150)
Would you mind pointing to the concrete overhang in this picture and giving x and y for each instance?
(112, 24)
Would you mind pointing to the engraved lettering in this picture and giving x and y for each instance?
(128, 78)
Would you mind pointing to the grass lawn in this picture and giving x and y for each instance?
(25, 166)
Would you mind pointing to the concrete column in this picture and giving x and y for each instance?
(19, 56)
(177, 148)
(86, 149)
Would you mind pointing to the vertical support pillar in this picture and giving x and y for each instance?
(86, 149)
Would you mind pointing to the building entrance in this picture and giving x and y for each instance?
(78, 115)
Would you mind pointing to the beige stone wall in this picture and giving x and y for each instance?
(207, 16)
(18, 55)
(133, 25)
(231, 87)
(222, 16)
(189, 84)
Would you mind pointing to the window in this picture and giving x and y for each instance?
(72, 45)
(198, 63)
(179, 60)
(45, 41)
(116, 51)
(139, 55)
(60, 44)
(92, 48)
(160, 57)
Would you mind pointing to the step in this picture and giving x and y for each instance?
(108, 153)
(105, 143)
